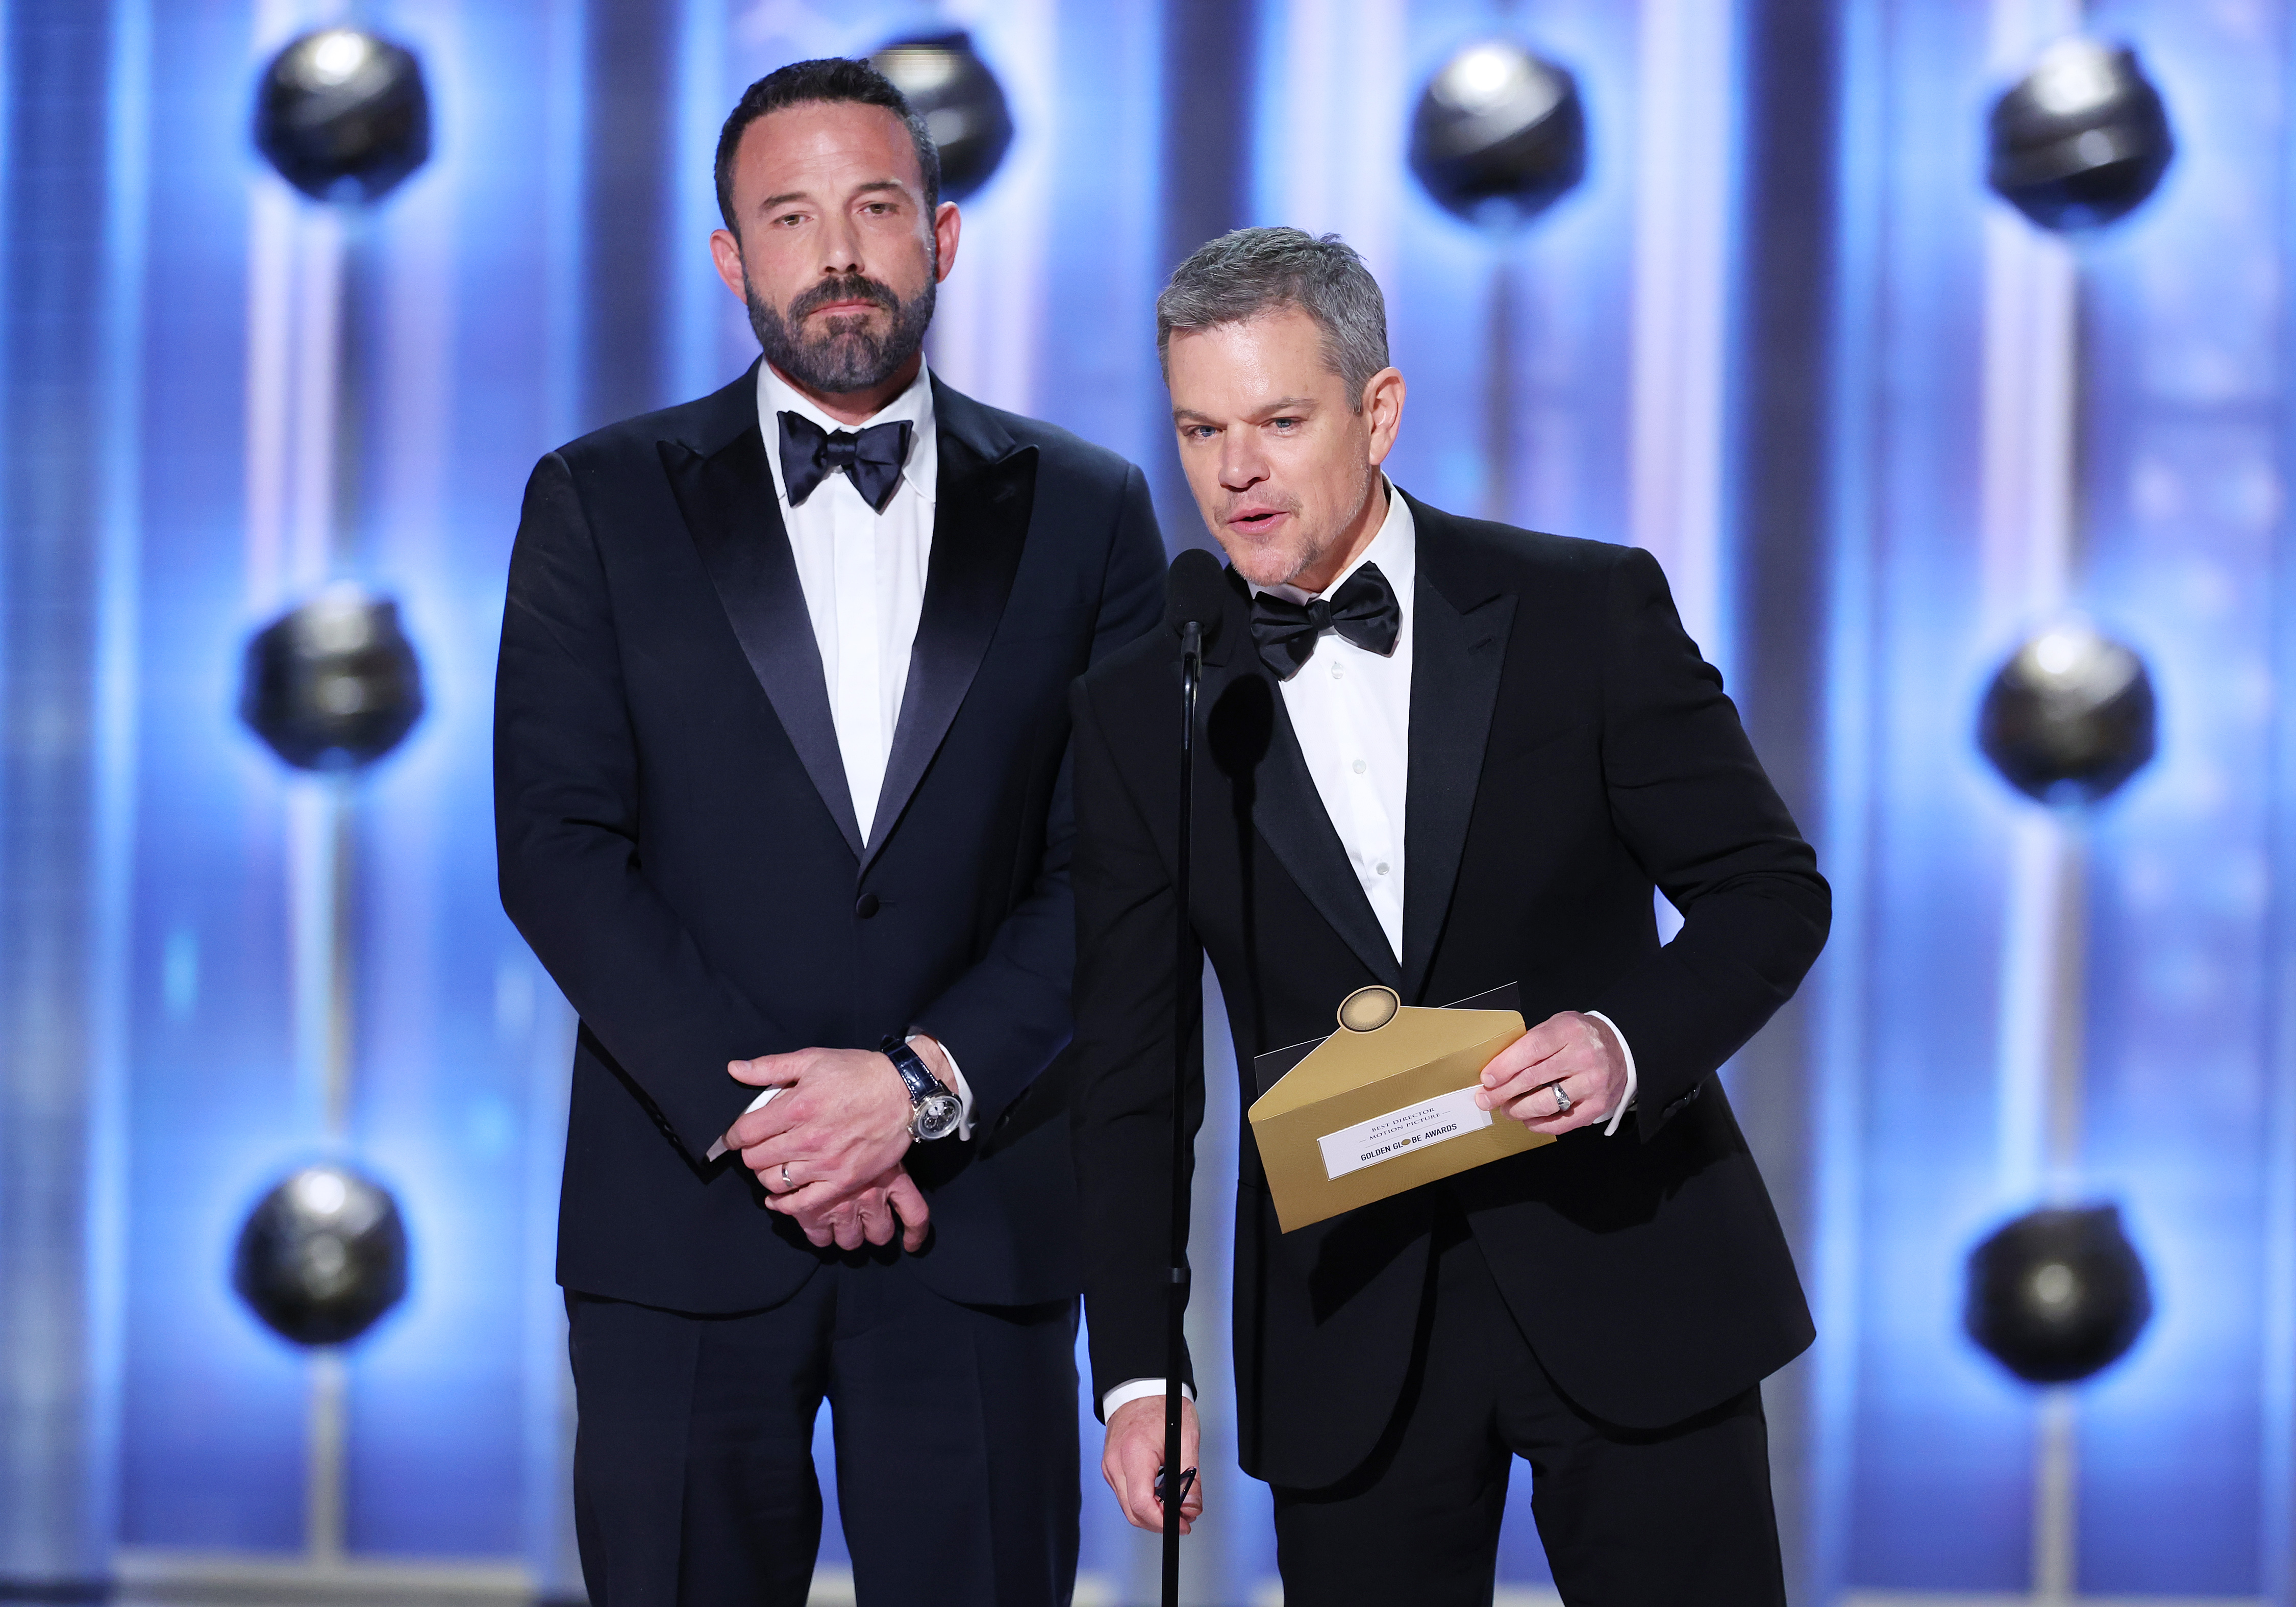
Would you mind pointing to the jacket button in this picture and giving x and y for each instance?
(868, 906)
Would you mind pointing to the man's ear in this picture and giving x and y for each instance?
(946, 229)
(726, 251)
(1382, 410)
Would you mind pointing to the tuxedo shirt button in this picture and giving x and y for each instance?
(868, 906)
(1337, 672)
(1359, 766)
(1381, 867)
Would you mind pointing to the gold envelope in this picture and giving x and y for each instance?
(1382, 1106)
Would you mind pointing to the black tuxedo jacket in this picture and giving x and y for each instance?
(1568, 749)
(677, 839)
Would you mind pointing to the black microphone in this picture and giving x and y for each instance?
(1196, 592)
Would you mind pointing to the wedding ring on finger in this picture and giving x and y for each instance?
(786, 1185)
(1562, 1100)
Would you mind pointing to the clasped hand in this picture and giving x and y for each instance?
(827, 1149)
(1575, 1052)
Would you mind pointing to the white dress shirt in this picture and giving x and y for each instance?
(1350, 709)
(863, 574)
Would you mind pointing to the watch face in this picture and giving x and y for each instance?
(936, 1116)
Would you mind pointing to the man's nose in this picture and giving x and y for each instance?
(840, 247)
(1241, 465)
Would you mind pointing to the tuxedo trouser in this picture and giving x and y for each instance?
(1680, 1517)
(955, 1435)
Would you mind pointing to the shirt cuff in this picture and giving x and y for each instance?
(963, 1089)
(765, 1097)
(1131, 1389)
(1625, 1100)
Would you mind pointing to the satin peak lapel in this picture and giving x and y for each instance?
(728, 501)
(1288, 813)
(1455, 687)
(980, 522)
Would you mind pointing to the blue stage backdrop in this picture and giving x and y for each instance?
(2030, 427)
(2007, 427)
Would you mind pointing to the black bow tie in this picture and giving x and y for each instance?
(872, 459)
(1363, 611)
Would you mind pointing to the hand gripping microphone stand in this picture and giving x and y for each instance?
(1191, 603)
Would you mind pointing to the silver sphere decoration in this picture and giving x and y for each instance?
(343, 115)
(949, 86)
(2070, 716)
(322, 1257)
(1499, 135)
(2057, 1295)
(2082, 140)
(333, 684)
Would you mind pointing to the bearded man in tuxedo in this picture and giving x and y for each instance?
(1445, 756)
(783, 802)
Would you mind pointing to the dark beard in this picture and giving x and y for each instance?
(846, 357)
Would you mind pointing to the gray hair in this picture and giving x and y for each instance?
(1243, 275)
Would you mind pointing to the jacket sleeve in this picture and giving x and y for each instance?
(1690, 800)
(1127, 915)
(566, 836)
(1008, 1015)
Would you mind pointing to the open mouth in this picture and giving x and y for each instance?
(1253, 521)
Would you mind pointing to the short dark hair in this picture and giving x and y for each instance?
(829, 80)
(1243, 275)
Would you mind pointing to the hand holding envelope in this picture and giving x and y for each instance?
(1387, 1103)
(1581, 1054)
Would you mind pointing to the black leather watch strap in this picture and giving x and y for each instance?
(915, 1074)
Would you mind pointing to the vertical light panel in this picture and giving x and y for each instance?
(2029, 552)
(127, 181)
(70, 189)
(1095, 355)
(2184, 489)
(704, 96)
(294, 307)
(1925, 1436)
(463, 1045)
(1682, 188)
(1841, 984)
(1335, 124)
(449, 422)
(987, 331)
(2276, 1487)
(211, 1443)
(2028, 548)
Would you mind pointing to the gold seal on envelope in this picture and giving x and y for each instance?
(1384, 1104)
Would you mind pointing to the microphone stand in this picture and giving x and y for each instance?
(1191, 663)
